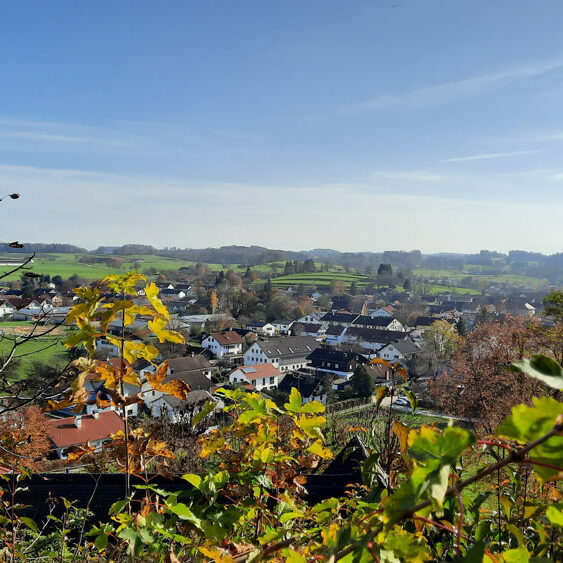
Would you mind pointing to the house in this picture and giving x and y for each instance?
(338, 362)
(177, 410)
(311, 318)
(260, 327)
(423, 323)
(310, 386)
(224, 344)
(339, 319)
(93, 429)
(315, 330)
(6, 308)
(191, 364)
(380, 322)
(261, 376)
(398, 351)
(387, 311)
(195, 379)
(286, 353)
(282, 326)
(335, 334)
(371, 338)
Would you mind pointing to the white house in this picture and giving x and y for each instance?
(6, 309)
(382, 312)
(312, 318)
(371, 338)
(282, 326)
(223, 344)
(177, 410)
(259, 327)
(381, 322)
(262, 376)
(398, 351)
(286, 353)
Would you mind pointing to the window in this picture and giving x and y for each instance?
(271, 379)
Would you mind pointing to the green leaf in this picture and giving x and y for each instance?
(435, 452)
(289, 516)
(295, 401)
(474, 555)
(555, 514)
(184, 513)
(117, 507)
(507, 505)
(519, 555)
(195, 480)
(517, 533)
(482, 530)
(208, 407)
(29, 523)
(527, 424)
(541, 367)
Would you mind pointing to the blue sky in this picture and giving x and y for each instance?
(364, 125)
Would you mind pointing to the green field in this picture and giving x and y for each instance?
(321, 279)
(475, 272)
(437, 289)
(66, 265)
(47, 350)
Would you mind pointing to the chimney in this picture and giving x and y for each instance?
(96, 415)
(78, 421)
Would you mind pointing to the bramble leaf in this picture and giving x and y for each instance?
(527, 424)
(541, 367)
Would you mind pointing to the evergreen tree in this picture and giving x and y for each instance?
(362, 383)
(461, 327)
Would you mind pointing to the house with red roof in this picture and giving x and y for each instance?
(74, 431)
(261, 376)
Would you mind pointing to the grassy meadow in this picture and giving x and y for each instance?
(46, 350)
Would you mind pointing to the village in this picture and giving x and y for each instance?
(338, 351)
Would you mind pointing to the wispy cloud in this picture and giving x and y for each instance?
(488, 156)
(188, 208)
(408, 175)
(447, 91)
(129, 136)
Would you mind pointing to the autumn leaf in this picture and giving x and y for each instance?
(175, 387)
(151, 293)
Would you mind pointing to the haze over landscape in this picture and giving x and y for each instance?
(355, 126)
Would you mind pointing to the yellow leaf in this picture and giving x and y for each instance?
(151, 293)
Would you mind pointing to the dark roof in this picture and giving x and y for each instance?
(339, 317)
(282, 322)
(304, 383)
(334, 330)
(195, 379)
(332, 355)
(306, 327)
(257, 324)
(288, 346)
(425, 321)
(366, 320)
(189, 363)
(192, 399)
(406, 347)
(375, 335)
